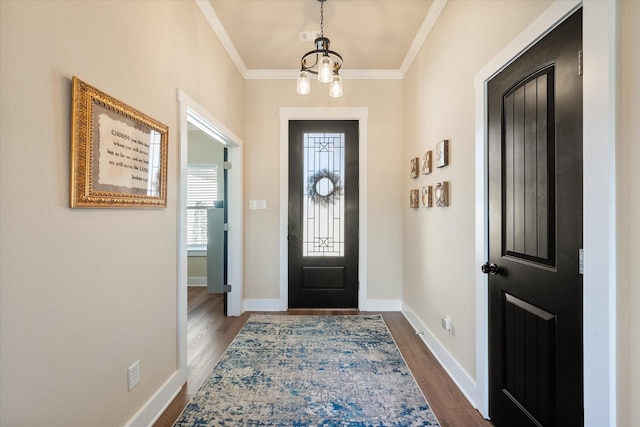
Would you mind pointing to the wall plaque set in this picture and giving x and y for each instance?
(430, 195)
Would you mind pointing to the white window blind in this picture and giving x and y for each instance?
(202, 192)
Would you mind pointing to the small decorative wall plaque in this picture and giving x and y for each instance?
(413, 164)
(427, 197)
(426, 163)
(441, 193)
(414, 196)
(442, 153)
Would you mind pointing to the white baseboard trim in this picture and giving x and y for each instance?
(196, 281)
(263, 305)
(384, 305)
(460, 377)
(156, 405)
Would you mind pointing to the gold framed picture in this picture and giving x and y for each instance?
(118, 154)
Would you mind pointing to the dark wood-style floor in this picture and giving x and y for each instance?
(209, 333)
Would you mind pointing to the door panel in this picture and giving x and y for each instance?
(215, 250)
(528, 162)
(323, 214)
(535, 234)
(216, 233)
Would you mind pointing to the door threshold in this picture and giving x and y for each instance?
(323, 310)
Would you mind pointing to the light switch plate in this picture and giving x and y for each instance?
(257, 204)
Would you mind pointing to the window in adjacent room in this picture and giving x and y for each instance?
(202, 192)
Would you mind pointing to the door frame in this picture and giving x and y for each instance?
(599, 130)
(191, 112)
(310, 113)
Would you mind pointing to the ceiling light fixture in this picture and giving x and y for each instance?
(323, 62)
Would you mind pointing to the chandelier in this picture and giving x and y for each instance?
(323, 62)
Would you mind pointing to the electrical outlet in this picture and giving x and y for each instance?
(134, 374)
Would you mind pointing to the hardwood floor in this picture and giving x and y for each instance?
(209, 333)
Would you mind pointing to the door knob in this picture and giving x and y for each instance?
(490, 268)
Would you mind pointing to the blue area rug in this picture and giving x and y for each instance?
(310, 371)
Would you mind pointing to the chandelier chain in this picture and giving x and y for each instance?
(321, 19)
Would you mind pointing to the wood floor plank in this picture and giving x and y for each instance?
(210, 333)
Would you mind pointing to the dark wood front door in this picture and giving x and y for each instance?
(323, 214)
(535, 235)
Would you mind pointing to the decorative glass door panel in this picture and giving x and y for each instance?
(323, 214)
(323, 211)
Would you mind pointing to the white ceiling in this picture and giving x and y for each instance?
(376, 38)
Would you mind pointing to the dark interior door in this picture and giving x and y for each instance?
(323, 214)
(215, 222)
(217, 219)
(225, 206)
(535, 235)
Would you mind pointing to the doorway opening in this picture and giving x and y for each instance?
(535, 234)
(206, 212)
(359, 114)
(196, 118)
(599, 204)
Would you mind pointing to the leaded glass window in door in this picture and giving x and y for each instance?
(323, 197)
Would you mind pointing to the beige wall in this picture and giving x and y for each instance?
(82, 292)
(87, 292)
(628, 177)
(197, 266)
(385, 164)
(439, 243)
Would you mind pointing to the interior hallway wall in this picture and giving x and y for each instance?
(439, 103)
(385, 164)
(628, 232)
(87, 292)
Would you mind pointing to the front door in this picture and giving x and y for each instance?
(535, 235)
(323, 214)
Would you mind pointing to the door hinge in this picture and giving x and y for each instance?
(581, 262)
(227, 165)
(580, 64)
(226, 288)
(225, 226)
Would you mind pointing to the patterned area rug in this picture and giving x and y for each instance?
(310, 371)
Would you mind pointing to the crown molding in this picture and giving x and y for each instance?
(427, 25)
(215, 23)
(346, 74)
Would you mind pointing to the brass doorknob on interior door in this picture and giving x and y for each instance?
(490, 268)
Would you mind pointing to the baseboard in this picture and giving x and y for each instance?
(196, 281)
(157, 404)
(262, 305)
(460, 377)
(384, 305)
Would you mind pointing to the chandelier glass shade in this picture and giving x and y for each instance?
(322, 62)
